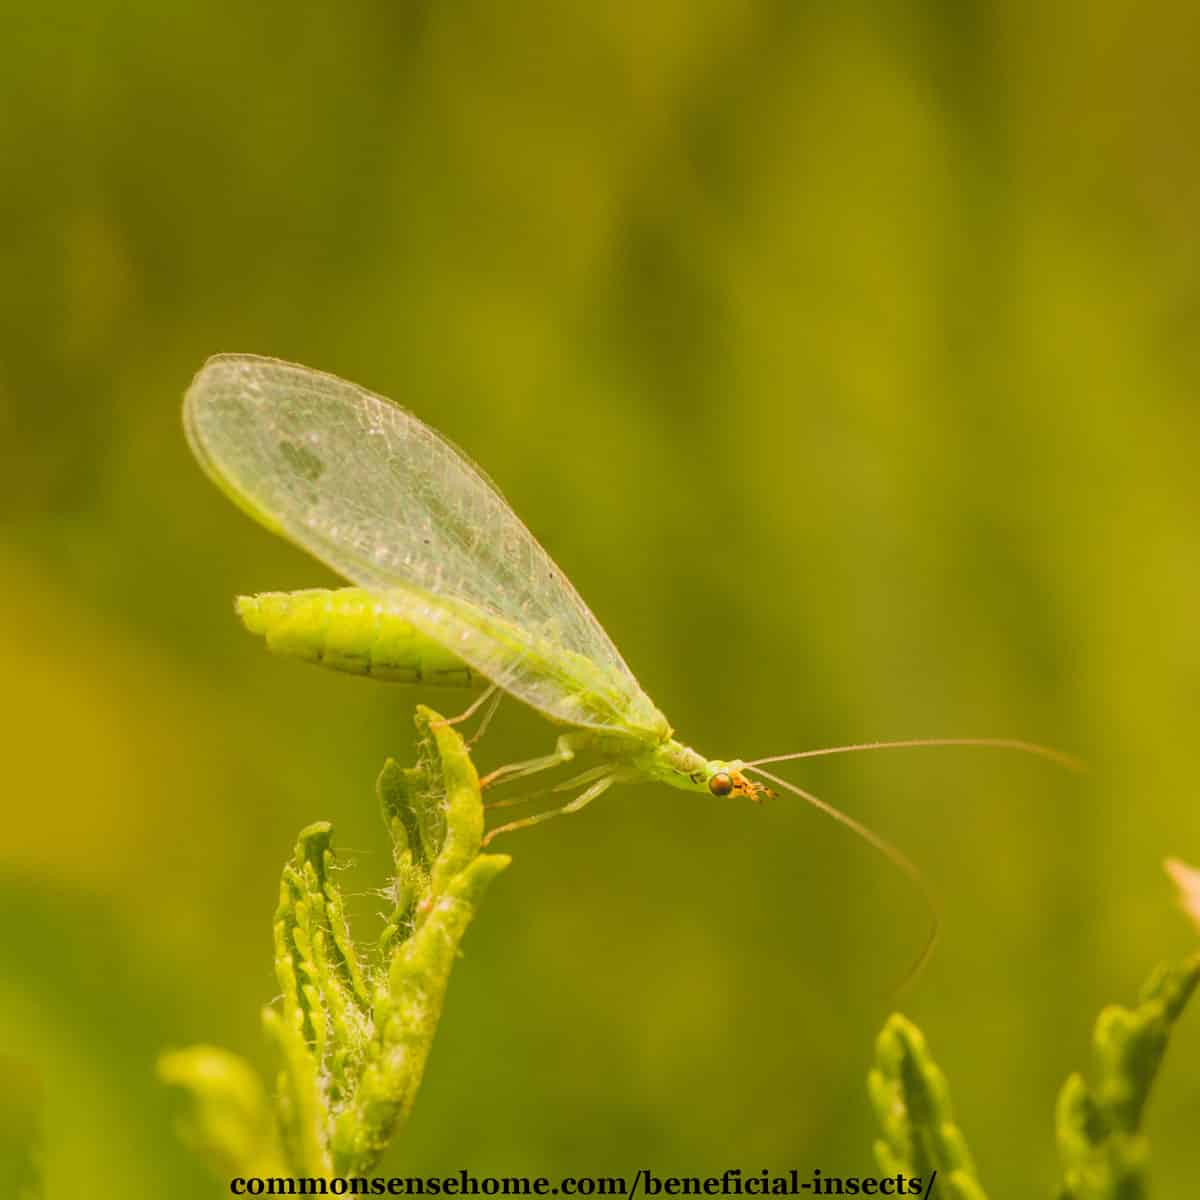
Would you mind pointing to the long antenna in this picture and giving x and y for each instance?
(1056, 756)
(893, 854)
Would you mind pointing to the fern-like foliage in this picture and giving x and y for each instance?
(351, 1033)
(912, 1101)
(1103, 1151)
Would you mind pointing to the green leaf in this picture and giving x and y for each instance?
(447, 820)
(230, 1120)
(912, 1102)
(1104, 1155)
(351, 1037)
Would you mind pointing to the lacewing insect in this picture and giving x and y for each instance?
(452, 588)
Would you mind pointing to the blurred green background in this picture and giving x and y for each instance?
(845, 356)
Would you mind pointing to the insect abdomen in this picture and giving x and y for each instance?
(349, 629)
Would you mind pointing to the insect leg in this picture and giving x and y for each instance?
(584, 798)
(490, 695)
(563, 752)
(488, 713)
(592, 773)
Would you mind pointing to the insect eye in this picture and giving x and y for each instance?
(720, 784)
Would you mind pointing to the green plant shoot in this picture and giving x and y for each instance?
(452, 587)
(351, 1028)
(1105, 1153)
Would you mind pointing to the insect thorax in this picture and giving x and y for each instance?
(675, 764)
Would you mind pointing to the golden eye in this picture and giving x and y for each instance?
(720, 784)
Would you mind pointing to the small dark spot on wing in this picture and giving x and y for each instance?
(303, 461)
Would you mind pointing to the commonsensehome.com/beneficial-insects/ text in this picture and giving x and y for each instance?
(644, 1182)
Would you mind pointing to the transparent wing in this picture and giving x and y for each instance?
(389, 503)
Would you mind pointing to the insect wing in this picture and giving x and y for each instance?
(386, 501)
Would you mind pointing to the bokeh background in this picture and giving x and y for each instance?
(845, 356)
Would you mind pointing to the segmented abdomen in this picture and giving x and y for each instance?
(347, 629)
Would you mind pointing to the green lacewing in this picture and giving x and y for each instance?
(451, 587)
